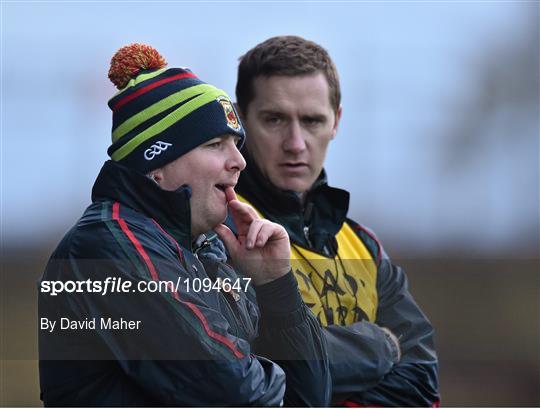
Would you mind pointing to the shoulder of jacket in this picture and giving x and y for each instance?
(369, 239)
(107, 222)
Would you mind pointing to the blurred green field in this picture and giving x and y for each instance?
(486, 314)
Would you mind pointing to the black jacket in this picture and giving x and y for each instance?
(191, 347)
(362, 360)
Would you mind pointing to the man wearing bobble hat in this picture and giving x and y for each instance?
(128, 314)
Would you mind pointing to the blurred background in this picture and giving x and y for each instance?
(438, 145)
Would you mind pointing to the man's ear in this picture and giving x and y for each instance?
(156, 175)
(336, 121)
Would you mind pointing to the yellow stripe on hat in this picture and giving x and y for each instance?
(167, 122)
(159, 107)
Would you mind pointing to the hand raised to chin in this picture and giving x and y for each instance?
(262, 250)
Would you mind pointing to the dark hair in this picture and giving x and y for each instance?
(289, 56)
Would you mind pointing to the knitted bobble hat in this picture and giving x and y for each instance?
(161, 113)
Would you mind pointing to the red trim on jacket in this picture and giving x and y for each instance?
(178, 249)
(133, 239)
(218, 337)
(350, 404)
(379, 255)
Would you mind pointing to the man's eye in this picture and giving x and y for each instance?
(216, 144)
(274, 120)
(313, 121)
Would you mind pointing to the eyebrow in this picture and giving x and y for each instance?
(319, 117)
(234, 137)
(271, 112)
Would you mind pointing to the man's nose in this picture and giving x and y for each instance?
(236, 161)
(294, 139)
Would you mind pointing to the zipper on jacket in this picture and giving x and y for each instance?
(238, 319)
(306, 235)
(200, 244)
(308, 210)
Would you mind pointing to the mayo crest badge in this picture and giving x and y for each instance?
(230, 114)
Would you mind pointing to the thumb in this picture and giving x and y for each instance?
(228, 238)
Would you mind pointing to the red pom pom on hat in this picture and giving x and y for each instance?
(130, 60)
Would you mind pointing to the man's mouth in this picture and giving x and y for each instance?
(223, 186)
(294, 166)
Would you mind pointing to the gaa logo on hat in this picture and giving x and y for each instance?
(230, 114)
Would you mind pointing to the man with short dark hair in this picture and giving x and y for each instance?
(380, 343)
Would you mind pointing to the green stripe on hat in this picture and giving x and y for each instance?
(167, 122)
(159, 107)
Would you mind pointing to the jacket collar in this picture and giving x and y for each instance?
(171, 209)
(313, 224)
